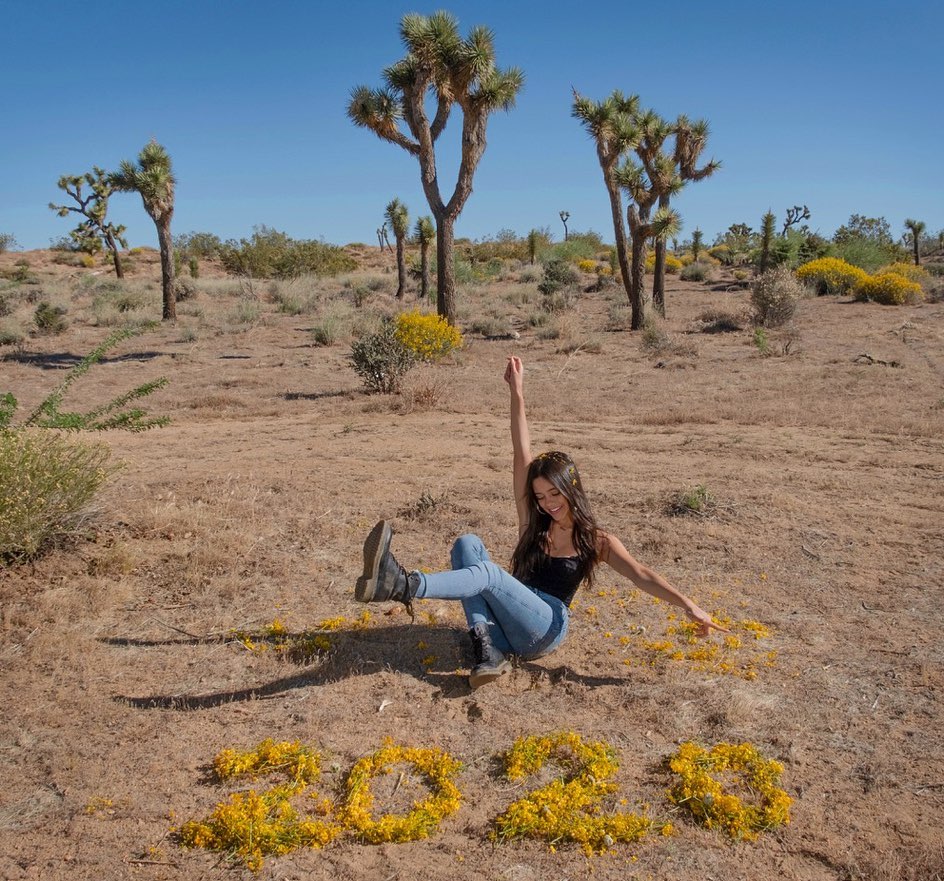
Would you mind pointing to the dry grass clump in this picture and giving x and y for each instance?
(696, 501)
(718, 321)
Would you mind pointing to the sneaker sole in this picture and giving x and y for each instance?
(377, 542)
(483, 677)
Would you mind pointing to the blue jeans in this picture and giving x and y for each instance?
(520, 620)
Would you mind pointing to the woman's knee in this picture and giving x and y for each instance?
(467, 550)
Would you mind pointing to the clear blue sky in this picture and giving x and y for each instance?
(831, 104)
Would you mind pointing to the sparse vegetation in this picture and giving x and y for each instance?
(47, 484)
(774, 297)
(381, 360)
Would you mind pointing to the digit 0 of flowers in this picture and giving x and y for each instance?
(298, 646)
(568, 808)
(436, 766)
(709, 801)
(252, 825)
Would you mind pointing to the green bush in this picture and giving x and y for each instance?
(7, 242)
(558, 275)
(50, 319)
(272, 254)
(696, 271)
(381, 360)
(47, 484)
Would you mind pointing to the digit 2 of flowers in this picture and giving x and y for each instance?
(252, 825)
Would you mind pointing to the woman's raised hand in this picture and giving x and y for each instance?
(514, 372)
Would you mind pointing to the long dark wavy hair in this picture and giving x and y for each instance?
(560, 470)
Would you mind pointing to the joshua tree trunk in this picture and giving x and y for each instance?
(619, 229)
(424, 270)
(167, 271)
(640, 230)
(917, 249)
(401, 269)
(658, 270)
(445, 269)
(113, 247)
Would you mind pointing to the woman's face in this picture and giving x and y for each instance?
(551, 500)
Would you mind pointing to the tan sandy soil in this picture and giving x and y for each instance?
(121, 678)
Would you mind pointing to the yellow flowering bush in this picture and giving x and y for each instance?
(672, 264)
(712, 804)
(830, 275)
(436, 766)
(890, 289)
(588, 266)
(908, 270)
(567, 808)
(47, 484)
(252, 825)
(428, 336)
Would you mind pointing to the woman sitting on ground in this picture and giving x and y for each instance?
(559, 548)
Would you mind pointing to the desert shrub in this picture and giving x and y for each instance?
(426, 335)
(696, 500)
(7, 242)
(491, 327)
(761, 341)
(381, 360)
(558, 274)
(184, 289)
(194, 265)
(830, 275)
(269, 253)
(576, 248)
(50, 319)
(672, 264)
(774, 297)
(6, 304)
(10, 335)
(48, 484)
(867, 254)
(197, 244)
(557, 301)
(890, 289)
(588, 266)
(87, 261)
(654, 338)
(538, 318)
(908, 270)
(697, 271)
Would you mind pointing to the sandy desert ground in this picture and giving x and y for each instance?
(123, 674)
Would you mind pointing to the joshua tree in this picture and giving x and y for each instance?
(690, 141)
(92, 231)
(425, 232)
(697, 236)
(916, 227)
(794, 216)
(153, 178)
(643, 183)
(610, 124)
(565, 216)
(766, 237)
(454, 71)
(399, 219)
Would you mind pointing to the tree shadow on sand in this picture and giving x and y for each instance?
(436, 655)
(68, 360)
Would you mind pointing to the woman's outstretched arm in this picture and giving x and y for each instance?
(619, 559)
(520, 439)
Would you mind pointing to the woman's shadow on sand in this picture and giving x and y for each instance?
(437, 655)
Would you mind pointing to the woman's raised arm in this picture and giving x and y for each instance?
(520, 439)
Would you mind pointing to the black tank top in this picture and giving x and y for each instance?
(558, 576)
